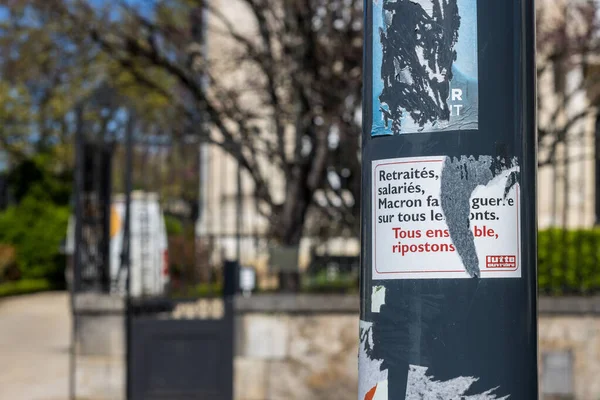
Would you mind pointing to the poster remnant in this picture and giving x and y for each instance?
(373, 381)
(377, 298)
(425, 66)
(446, 217)
(421, 386)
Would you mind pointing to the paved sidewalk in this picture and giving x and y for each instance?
(35, 332)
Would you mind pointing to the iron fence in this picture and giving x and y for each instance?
(568, 217)
(213, 215)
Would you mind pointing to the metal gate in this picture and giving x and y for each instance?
(180, 333)
(178, 298)
(182, 349)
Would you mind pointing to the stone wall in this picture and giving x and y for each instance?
(569, 347)
(305, 347)
(297, 357)
(296, 347)
(99, 347)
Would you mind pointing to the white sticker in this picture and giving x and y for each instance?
(411, 234)
(377, 298)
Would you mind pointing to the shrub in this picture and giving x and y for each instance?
(35, 228)
(32, 229)
(322, 283)
(569, 261)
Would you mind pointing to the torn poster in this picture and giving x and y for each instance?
(425, 67)
(373, 380)
(446, 217)
(422, 387)
(377, 298)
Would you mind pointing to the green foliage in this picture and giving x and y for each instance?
(569, 261)
(44, 177)
(173, 225)
(37, 224)
(36, 228)
(322, 283)
(25, 287)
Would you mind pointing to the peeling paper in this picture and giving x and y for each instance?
(460, 178)
(423, 387)
(377, 298)
(371, 375)
(425, 66)
(381, 391)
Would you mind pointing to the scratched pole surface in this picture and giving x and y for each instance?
(448, 288)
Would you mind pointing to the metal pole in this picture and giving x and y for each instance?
(597, 169)
(76, 262)
(105, 197)
(448, 279)
(126, 254)
(239, 214)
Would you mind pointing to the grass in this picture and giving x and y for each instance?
(26, 286)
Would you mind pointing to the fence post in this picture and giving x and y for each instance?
(448, 279)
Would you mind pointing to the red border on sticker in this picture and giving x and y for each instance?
(483, 270)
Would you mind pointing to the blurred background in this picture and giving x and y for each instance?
(235, 126)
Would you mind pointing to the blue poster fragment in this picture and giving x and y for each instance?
(425, 67)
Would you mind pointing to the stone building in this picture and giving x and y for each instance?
(219, 170)
(568, 184)
(567, 178)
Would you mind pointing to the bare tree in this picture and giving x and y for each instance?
(303, 72)
(568, 98)
(568, 36)
(285, 92)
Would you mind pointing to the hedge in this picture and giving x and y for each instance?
(569, 261)
(346, 283)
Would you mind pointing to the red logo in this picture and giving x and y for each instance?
(502, 262)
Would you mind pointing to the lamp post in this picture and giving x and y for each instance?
(448, 281)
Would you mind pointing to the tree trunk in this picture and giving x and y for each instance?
(288, 226)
